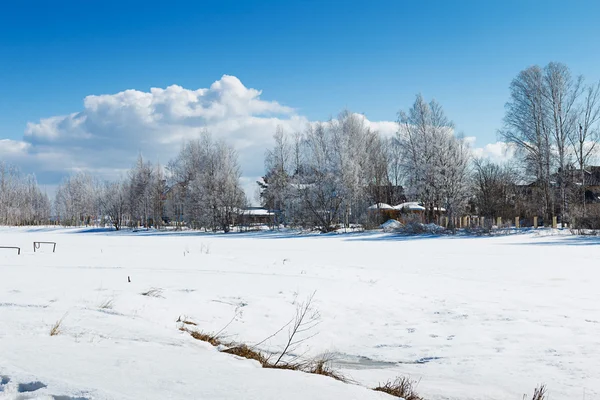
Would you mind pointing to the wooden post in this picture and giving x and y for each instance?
(517, 225)
(535, 224)
(554, 222)
(482, 222)
(499, 221)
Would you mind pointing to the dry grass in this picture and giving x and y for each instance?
(153, 292)
(540, 393)
(203, 336)
(247, 352)
(401, 387)
(323, 366)
(107, 304)
(56, 328)
(185, 321)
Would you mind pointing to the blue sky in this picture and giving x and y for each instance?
(315, 56)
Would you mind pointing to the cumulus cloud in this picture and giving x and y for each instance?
(109, 132)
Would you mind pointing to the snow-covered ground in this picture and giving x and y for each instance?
(472, 318)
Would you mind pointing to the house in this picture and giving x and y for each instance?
(258, 216)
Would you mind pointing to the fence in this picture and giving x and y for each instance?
(483, 222)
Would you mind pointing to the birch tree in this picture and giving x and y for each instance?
(561, 92)
(584, 138)
(526, 126)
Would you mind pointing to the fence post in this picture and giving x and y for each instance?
(554, 222)
(517, 225)
(535, 224)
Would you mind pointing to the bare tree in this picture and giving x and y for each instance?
(585, 136)
(561, 93)
(493, 186)
(526, 126)
(114, 202)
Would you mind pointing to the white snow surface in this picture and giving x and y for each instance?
(470, 317)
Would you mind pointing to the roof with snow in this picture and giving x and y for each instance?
(410, 206)
(381, 206)
(258, 212)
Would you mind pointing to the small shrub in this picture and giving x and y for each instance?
(153, 292)
(401, 387)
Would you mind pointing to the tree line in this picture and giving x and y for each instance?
(329, 174)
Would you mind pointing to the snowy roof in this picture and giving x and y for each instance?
(410, 206)
(257, 212)
(381, 206)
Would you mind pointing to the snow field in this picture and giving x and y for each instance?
(471, 318)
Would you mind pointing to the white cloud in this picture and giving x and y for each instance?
(385, 128)
(106, 136)
(499, 152)
(13, 148)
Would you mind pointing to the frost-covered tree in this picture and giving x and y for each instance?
(328, 174)
(77, 199)
(275, 185)
(140, 192)
(435, 162)
(205, 178)
(21, 200)
(114, 202)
